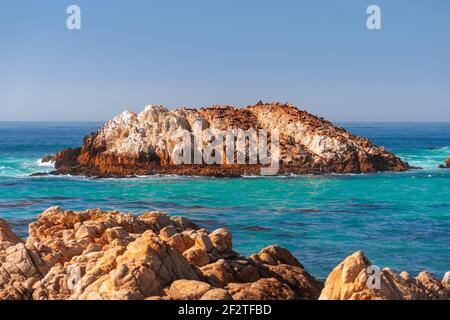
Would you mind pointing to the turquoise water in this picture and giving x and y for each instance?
(401, 220)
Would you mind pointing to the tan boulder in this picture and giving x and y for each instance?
(216, 294)
(263, 289)
(181, 241)
(355, 279)
(221, 240)
(446, 280)
(146, 266)
(274, 255)
(18, 272)
(6, 235)
(437, 288)
(188, 290)
(197, 256)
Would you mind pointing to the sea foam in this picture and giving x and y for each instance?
(49, 164)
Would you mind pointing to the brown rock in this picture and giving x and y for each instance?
(6, 235)
(274, 255)
(195, 290)
(241, 270)
(188, 290)
(216, 294)
(181, 241)
(437, 289)
(263, 289)
(196, 256)
(221, 240)
(18, 272)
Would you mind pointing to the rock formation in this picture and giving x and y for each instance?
(142, 144)
(110, 255)
(446, 164)
(349, 281)
(94, 254)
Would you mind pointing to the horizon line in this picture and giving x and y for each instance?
(332, 121)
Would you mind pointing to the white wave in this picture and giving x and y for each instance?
(49, 164)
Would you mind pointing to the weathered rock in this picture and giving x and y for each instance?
(188, 290)
(95, 254)
(221, 240)
(143, 144)
(216, 294)
(446, 281)
(18, 272)
(196, 256)
(274, 255)
(263, 289)
(6, 235)
(350, 281)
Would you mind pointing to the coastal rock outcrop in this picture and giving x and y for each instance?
(353, 280)
(143, 144)
(94, 254)
(109, 255)
(18, 272)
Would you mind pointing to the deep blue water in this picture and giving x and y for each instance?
(401, 220)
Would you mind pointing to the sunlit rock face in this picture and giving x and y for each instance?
(99, 255)
(143, 144)
(109, 255)
(353, 279)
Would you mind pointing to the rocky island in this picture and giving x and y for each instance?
(446, 165)
(95, 254)
(142, 144)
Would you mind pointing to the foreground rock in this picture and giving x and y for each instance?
(349, 281)
(143, 144)
(94, 254)
(109, 255)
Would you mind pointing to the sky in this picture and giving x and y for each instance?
(318, 55)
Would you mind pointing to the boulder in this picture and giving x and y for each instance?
(18, 272)
(356, 279)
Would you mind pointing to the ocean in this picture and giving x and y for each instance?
(400, 220)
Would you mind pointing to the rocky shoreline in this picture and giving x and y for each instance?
(143, 144)
(95, 254)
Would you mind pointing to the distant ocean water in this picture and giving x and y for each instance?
(400, 220)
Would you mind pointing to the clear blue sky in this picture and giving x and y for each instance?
(316, 54)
